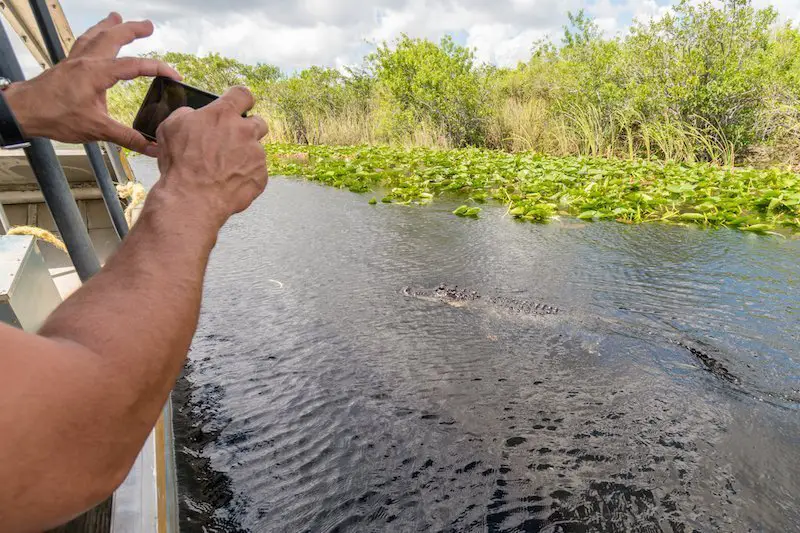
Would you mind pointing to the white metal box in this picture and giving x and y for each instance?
(27, 292)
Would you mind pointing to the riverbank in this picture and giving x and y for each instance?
(537, 188)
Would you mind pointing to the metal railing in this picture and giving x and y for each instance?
(52, 181)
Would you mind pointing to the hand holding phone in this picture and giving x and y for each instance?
(165, 96)
(211, 160)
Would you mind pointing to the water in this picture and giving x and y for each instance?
(318, 397)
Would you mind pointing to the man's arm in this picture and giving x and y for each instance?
(78, 400)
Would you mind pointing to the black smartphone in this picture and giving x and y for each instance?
(165, 96)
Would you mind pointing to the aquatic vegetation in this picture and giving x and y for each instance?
(536, 188)
(467, 211)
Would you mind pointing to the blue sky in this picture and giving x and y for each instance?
(294, 34)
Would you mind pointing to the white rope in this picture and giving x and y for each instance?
(135, 193)
(39, 233)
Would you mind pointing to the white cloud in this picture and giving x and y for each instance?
(251, 40)
(30, 67)
(788, 9)
(294, 34)
(502, 44)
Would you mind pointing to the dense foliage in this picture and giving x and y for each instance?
(420, 82)
(536, 187)
(703, 83)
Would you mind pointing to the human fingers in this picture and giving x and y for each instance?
(185, 110)
(238, 98)
(109, 41)
(128, 68)
(262, 179)
(113, 19)
(127, 137)
(259, 126)
(175, 115)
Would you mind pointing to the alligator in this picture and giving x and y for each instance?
(710, 363)
(460, 297)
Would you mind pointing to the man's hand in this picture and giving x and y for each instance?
(210, 158)
(68, 102)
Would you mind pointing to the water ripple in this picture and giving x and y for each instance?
(336, 403)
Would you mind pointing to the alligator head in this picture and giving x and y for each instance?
(459, 297)
(448, 294)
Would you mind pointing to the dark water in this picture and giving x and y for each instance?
(320, 398)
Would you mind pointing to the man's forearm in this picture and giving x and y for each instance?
(93, 383)
(79, 399)
(139, 314)
(19, 97)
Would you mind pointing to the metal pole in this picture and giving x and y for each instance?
(52, 182)
(93, 152)
(5, 225)
(113, 152)
(107, 188)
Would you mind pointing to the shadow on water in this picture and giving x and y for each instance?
(207, 502)
(661, 396)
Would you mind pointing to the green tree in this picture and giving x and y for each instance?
(305, 100)
(706, 65)
(422, 82)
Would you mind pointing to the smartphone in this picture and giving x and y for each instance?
(165, 96)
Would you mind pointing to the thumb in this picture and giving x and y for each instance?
(127, 137)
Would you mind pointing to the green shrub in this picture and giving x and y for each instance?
(706, 82)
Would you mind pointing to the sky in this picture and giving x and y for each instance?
(294, 34)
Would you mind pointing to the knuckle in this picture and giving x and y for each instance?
(125, 31)
(131, 138)
(226, 105)
(79, 62)
(168, 124)
(83, 65)
(176, 117)
(242, 90)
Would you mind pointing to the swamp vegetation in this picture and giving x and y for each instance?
(536, 187)
(693, 117)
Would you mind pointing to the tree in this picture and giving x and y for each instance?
(420, 81)
(706, 65)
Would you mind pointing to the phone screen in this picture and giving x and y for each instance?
(164, 97)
